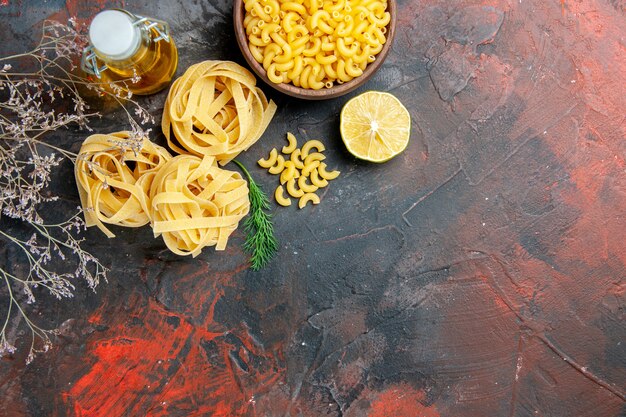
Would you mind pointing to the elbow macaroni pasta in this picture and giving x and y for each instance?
(341, 36)
(315, 156)
(270, 161)
(307, 188)
(289, 172)
(300, 178)
(295, 158)
(317, 181)
(280, 197)
(306, 148)
(278, 166)
(292, 190)
(325, 174)
(293, 144)
(308, 168)
(312, 197)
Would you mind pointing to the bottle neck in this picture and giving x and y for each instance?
(115, 36)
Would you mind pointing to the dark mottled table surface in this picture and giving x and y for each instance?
(481, 273)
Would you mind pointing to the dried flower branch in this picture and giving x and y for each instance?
(30, 103)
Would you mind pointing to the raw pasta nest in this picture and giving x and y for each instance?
(194, 204)
(215, 109)
(113, 182)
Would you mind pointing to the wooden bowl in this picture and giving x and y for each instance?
(305, 93)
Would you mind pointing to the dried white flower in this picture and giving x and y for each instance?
(27, 163)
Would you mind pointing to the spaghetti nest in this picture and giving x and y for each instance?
(194, 204)
(113, 183)
(215, 109)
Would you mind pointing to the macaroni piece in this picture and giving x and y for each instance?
(299, 178)
(307, 188)
(306, 148)
(312, 197)
(308, 168)
(315, 156)
(315, 44)
(271, 160)
(293, 144)
(215, 108)
(289, 172)
(317, 181)
(325, 174)
(295, 158)
(195, 204)
(280, 197)
(113, 184)
(278, 168)
(292, 190)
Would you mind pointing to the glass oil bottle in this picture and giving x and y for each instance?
(130, 51)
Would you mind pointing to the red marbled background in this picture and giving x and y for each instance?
(481, 273)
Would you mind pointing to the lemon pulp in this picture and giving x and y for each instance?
(375, 126)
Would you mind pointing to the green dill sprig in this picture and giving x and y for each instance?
(260, 240)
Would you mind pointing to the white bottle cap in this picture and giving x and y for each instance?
(113, 34)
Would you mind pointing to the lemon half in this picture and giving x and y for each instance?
(375, 126)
